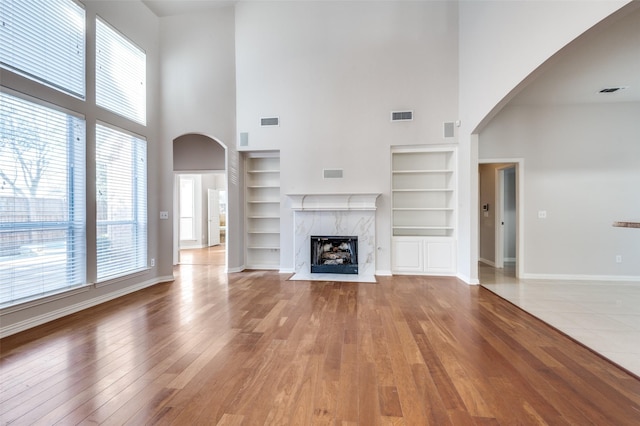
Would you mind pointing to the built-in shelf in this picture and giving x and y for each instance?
(262, 211)
(423, 209)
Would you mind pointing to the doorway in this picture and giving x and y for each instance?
(199, 195)
(501, 197)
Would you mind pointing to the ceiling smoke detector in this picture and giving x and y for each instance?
(612, 89)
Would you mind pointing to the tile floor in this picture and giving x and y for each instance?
(604, 316)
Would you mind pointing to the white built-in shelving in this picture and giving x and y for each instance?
(423, 209)
(262, 212)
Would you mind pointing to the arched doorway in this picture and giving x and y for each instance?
(200, 194)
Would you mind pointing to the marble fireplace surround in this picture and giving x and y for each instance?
(351, 214)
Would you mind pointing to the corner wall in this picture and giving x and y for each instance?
(583, 170)
(501, 45)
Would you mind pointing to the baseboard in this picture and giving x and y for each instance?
(384, 273)
(487, 262)
(286, 271)
(578, 277)
(72, 309)
(234, 270)
(467, 279)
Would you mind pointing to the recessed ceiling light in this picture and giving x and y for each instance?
(612, 89)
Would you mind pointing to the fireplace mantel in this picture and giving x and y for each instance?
(352, 214)
(333, 202)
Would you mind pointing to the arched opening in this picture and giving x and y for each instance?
(199, 196)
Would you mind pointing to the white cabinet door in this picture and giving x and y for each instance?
(408, 255)
(440, 256)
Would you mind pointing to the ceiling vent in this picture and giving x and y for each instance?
(612, 89)
(269, 121)
(401, 115)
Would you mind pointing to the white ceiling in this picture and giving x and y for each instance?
(606, 57)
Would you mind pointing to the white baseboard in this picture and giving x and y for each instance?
(384, 273)
(578, 277)
(487, 262)
(286, 271)
(72, 309)
(467, 279)
(234, 270)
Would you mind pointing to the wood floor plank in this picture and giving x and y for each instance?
(253, 348)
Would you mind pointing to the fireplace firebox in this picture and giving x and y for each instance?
(334, 255)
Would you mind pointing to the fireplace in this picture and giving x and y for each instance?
(335, 215)
(334, 255)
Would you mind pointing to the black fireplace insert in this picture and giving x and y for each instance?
(334, 255)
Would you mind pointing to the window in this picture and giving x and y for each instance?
(120, 74)
(44, 40)
(121, 196)
(42, 204)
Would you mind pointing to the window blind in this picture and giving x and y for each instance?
(120, 74)
(44, 40)
(121, 195)
(42, 204)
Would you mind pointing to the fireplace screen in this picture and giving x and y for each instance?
(334, 255)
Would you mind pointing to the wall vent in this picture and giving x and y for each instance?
(447, 129)
(244, 139)
(269, 121)
(401, 115)
(612, 89)
(332, 173)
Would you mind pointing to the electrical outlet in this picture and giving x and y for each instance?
(619, 258)
(164, 215)
(542, 214)
(153, 262)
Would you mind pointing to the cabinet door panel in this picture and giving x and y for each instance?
(439, 256)
(408, 255)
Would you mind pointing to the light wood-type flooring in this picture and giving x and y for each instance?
(252, 348)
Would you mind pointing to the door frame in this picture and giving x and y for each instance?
(505, 163)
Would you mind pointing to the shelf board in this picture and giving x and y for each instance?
(439, 228)
(428, 209)
(263, 171)
(263, 217)
(423, 190)
(263, 202)
(263, 248)
(262, 186)
(401, 172)
(263, 232)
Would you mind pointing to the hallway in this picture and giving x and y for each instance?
(604, 316)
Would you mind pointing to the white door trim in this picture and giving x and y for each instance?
(520, 197)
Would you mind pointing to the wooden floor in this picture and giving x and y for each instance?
(253, 348)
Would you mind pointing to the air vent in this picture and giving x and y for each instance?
(332, 173)
(447, 129)
(401, 115)
(612, 89)
(244, 139)
(270, 121)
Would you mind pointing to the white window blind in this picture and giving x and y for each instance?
(120, 74)
(121, 194)
(42, 204)
(44, 40)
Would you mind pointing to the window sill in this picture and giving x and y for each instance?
(45, 299)
(114, 280)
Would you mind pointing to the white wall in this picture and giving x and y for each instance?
(583, 169)
(333, 72)
(501, 45)
(198, 96)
